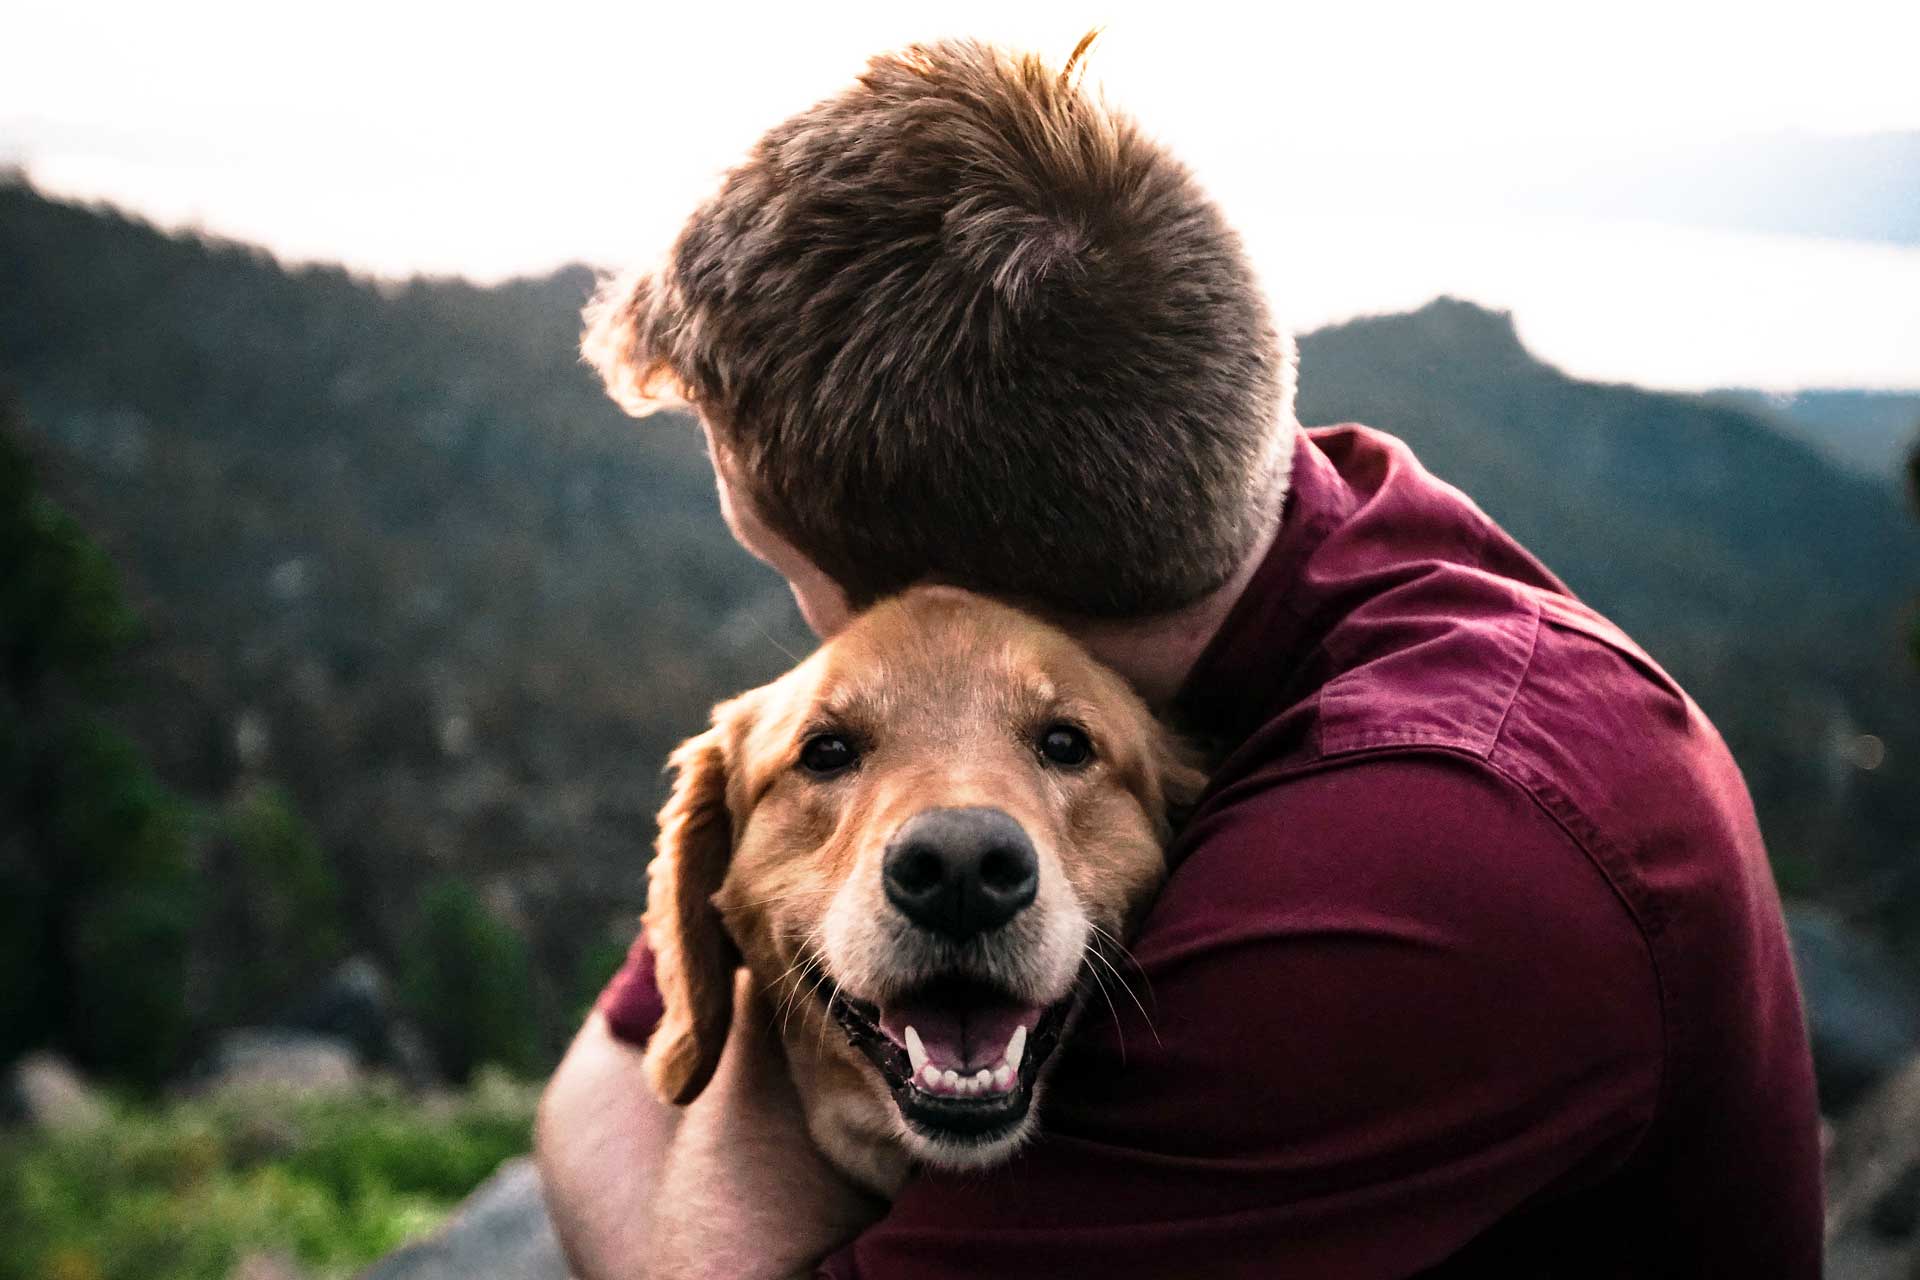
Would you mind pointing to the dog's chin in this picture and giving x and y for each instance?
(962, 1061)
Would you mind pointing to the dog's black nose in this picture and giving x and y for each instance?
(961, 872)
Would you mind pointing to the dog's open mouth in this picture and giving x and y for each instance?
(960, 1055)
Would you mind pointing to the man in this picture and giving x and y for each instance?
(1470, 962)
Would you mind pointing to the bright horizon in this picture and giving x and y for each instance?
(402, 139)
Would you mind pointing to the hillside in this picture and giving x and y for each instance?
(1867, 432)
(396, 551)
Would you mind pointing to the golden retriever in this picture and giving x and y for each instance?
(919, 842)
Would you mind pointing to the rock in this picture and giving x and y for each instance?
(1860, 1009)
(266, 1266)
(45, 1092)
(273, 1058)
(355, 1005)
(1872, 1181)
(500, 1232)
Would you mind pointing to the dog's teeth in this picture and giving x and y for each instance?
(1003, 1077)
(916, 1052)
(950, 1078)
(931, 1074)
(981, 1079)
(1016, 1045)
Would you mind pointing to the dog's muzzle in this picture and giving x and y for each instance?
(960, 1053)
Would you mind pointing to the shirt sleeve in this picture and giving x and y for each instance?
(1386, 1005)
(630, 1002)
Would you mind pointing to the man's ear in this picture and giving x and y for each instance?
(694, 957)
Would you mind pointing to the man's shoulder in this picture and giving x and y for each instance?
(1403, 616)
(1541, 706)
(1528, 681)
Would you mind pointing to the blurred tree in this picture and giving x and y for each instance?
(1913, 496)
(467, 979)
(279, 905)
(97, 897)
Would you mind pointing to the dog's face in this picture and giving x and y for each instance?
(918, 840)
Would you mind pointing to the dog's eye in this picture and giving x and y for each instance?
(1066, 746)
(826, 753)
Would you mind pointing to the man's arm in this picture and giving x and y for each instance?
(600, 1139)
(729, 1185)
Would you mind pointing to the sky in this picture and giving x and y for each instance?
(495, 140)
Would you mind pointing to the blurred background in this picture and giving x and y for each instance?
(345, 625)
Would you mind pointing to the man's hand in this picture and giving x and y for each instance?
(730, 1185)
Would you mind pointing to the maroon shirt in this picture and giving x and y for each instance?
(1470, 962)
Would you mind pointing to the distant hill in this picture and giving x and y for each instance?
(1867, 432)
(398, 552)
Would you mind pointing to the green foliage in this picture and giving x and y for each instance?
(129, 1013)
(182, 1192)
(60, 607)
(98, 901)
(593, 968)
(281, 903)
(115, 904)
(1913, 497)
(467, 978)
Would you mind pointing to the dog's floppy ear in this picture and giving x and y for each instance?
(694, 958)
(632, 325)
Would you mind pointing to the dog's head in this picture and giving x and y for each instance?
(917, 841)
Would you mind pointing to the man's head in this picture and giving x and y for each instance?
(964, 323)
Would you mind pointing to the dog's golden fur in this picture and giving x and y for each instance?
(765, 864)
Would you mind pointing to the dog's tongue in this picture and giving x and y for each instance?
(959, 1033)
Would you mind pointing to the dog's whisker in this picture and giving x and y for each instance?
(762, 626)
(1118, 1031)
(1131, 960)
(821, 1034)
(810, 963)
(801, 989)
(1121, 979)
(802, 962)
(807, 984)
(794, 989)
(1118, 946)
(778, 897)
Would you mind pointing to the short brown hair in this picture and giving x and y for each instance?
(964, 322)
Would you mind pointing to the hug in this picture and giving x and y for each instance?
(1201, 846)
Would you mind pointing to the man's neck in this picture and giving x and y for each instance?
(1157, 654)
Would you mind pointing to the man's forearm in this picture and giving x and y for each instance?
(601, 1141)
(729, 1185)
